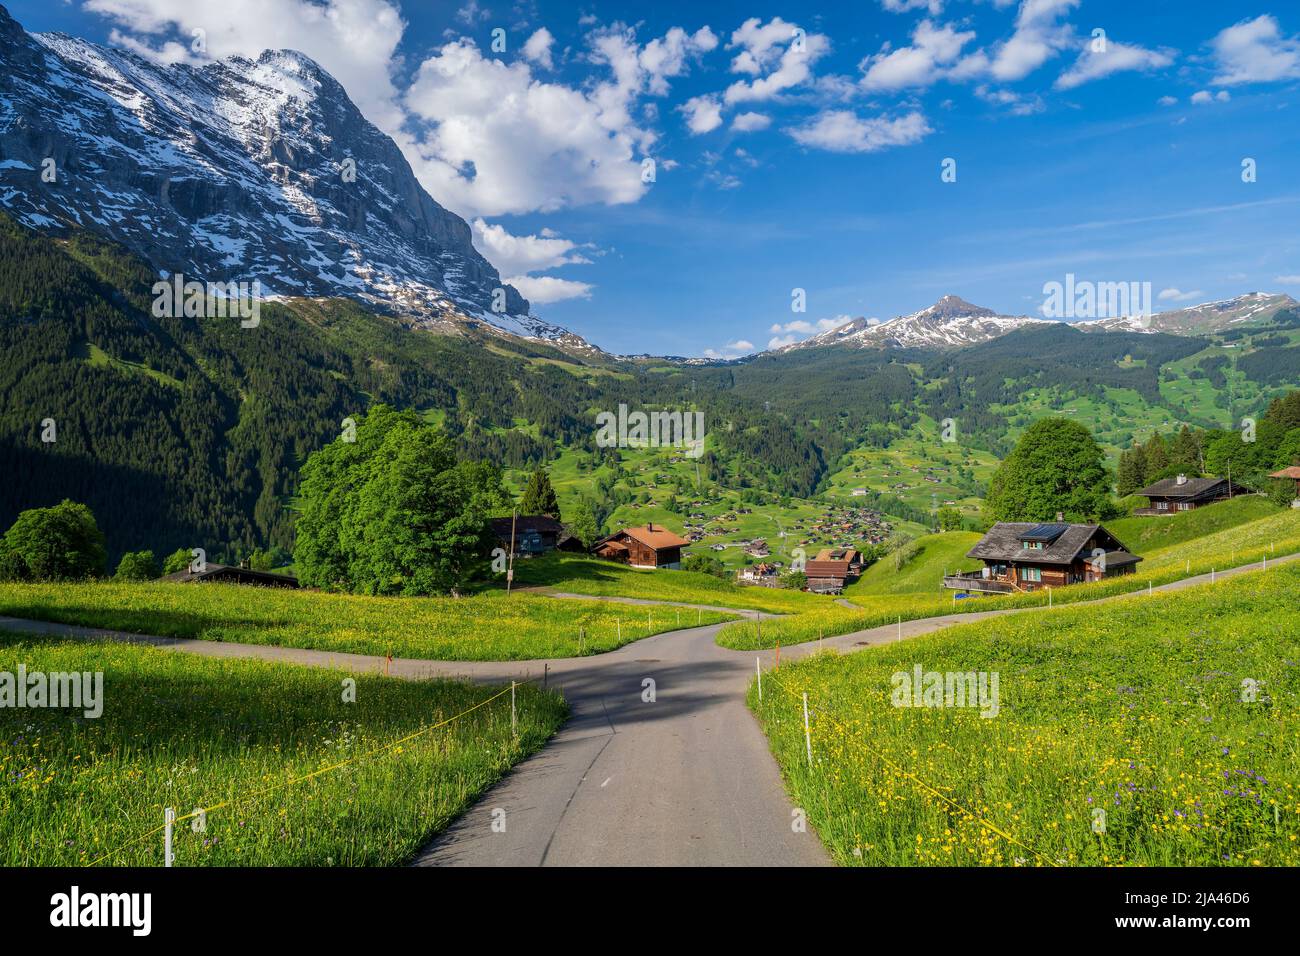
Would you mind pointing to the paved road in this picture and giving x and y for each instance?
(684, 780)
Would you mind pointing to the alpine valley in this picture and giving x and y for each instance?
(116, 172)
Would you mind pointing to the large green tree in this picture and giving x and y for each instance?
(539, 497)
(394, 512)
(1057, 466)
(62, 543)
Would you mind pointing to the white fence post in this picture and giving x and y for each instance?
(169, 817)
(758, 669)
(807, 731)
(514, 726)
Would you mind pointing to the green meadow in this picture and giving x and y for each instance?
(492, 626)
(290, 773)
(1152, 731)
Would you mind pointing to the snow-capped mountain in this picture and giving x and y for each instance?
(951, 322)
(1206, 318)
(234, 171)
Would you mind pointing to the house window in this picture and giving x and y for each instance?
(1184, 506)
(1162, 506)
(1032, 545)
(1031, 574)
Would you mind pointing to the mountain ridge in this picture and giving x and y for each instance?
(239, 170)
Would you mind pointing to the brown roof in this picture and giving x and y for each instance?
(1062, 542)
(657, 538)
(1292, 472)
(826, 569)
(1190, 488)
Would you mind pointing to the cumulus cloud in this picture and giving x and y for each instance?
(1115, 58)
(537, 48)
(1205, 96)
(843, 131)
(731, 350)
(1038, 37)
(1288, 280)
(544, 290)
(521, 254)
(933, 7)
(750, 122)
(1167, 100)
(703, 114)
(1177, 295)
(1254, 51)
(920, 64)
(778, 55)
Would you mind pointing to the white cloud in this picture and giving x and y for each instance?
(1287, 280)
(354, 40)
(933, 7)
(537, 48)
(1038, 37)
(544, 290)
(472, 13)
(1167, 100)
(1177, 295)
(1254, 51)
(1116, 58)
(777, 54)
(750, 122)
(521, 254)
(501, 141)
(1017, 104)
(918, 65)
(804, 327)
(843, 131)
(703, 114)
(731, 350)
(1205, 96)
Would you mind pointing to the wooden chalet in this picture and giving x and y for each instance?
(645, 547)
(1025, 556)
(233, 574)
(533, 535)
(1293, 473)
(1171, 495)
(832, 569)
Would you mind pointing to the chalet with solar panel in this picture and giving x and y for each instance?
(1025, 556)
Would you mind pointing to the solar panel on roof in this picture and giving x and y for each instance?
(1044, 532)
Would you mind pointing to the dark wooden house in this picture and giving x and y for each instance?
(1171, 495)
(233, 574)
(646, 547)
(533, 535)
(1024, 556)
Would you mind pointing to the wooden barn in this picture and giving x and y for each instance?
(233, 574)
(645, 547)
(1171, 495)
(533, 535)
(832, 569)
(1024, 556)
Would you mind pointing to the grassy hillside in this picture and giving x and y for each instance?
(1251, 542)
(935, 555)
(1142, 535)
(578, 575)
(186, 732)
(1135, 708)
(488, 627)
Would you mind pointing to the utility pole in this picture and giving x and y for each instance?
(510, 567)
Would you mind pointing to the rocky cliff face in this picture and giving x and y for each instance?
(236, 171)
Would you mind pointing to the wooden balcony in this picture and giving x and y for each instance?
(976, 582)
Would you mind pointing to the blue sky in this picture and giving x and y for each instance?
(797, 150)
